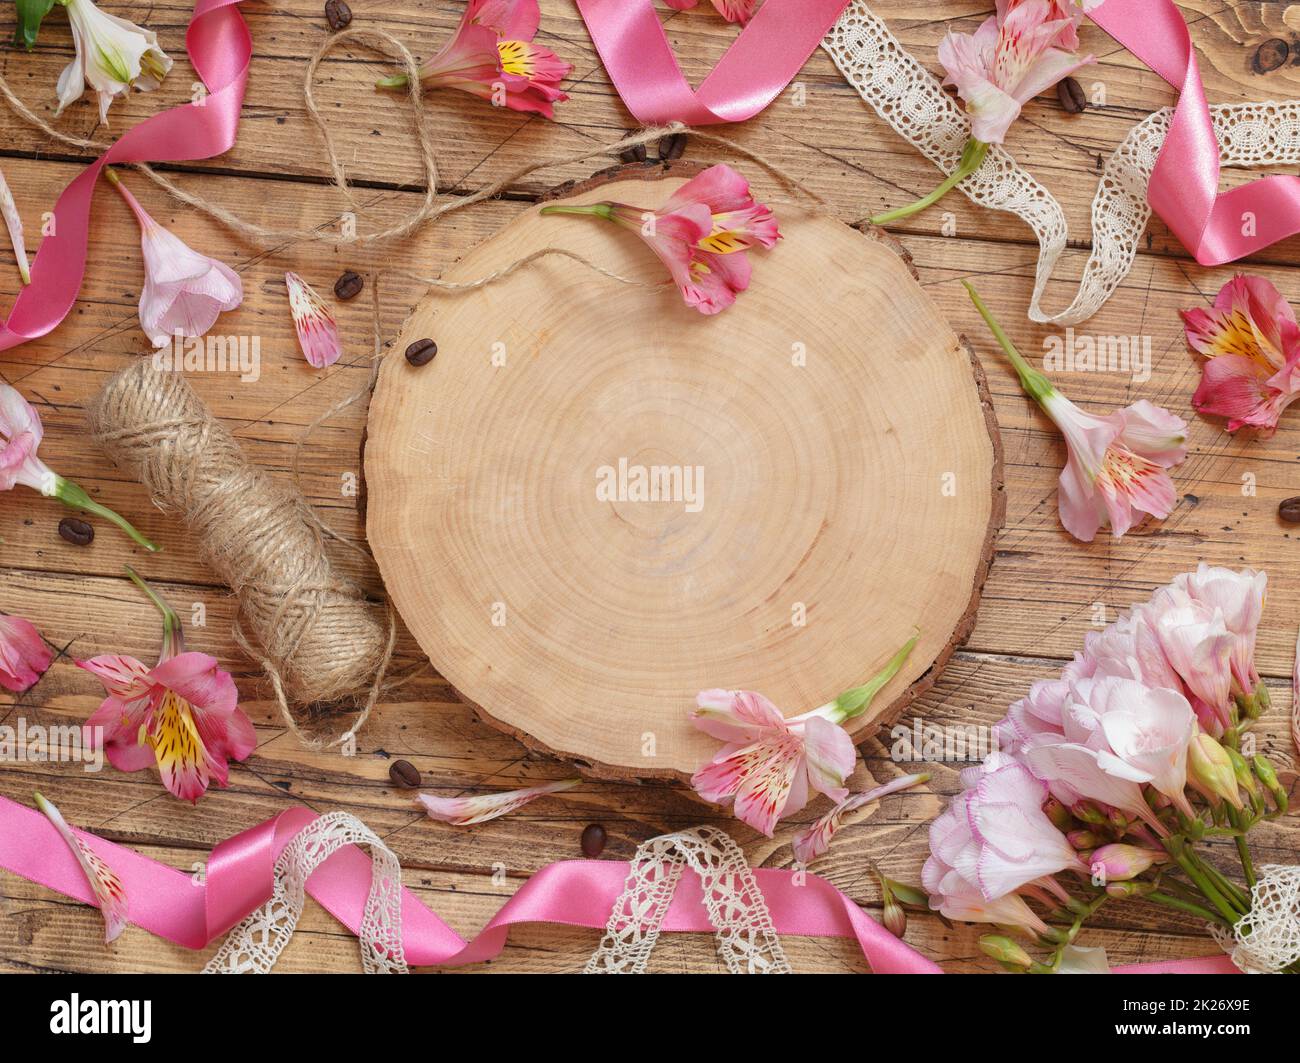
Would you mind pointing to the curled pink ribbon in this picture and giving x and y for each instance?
(194, 911)
(761, 62)
(220, 47)
(1216, 227)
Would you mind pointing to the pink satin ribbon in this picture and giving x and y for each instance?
(238, 877)
(220, 47)
(1184, 189)
(761, 62)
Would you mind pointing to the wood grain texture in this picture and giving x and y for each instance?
(1042, 595)
(798, 467)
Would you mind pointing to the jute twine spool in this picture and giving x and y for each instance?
(320, 642)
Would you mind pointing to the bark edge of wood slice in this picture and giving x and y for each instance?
(851, 488)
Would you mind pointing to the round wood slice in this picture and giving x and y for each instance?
(826, 448)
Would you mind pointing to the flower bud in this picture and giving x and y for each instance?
(1084, 839)
(893, 918)
(1089, 814)
(1130, 889)
(1117, 862)
(1058, 814)
(1262, 697)
(1264, 770)
(1245, 777)
(1005, 951)
(1210, 769)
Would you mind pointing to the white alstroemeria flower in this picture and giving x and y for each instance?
(112, 55)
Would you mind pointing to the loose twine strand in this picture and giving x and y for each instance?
(319, 642)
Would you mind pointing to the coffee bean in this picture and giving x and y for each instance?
(79, 533)
(1270, 55)
(349, 285)
(593, 841)
(1070, 93)
(1289, 510)
(672, 146)
(404, 774)
(421, 352)
(634, 154)
(337, 14)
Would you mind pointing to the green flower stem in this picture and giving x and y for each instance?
(397, 81)
(1234, 893)
(1177, 848)
(600, 210)
(74, 496)
(173, 639)
(972, 158)
(1036, 386)
(855, 702)
(1189, 907)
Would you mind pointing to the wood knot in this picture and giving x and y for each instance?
(1270, 55)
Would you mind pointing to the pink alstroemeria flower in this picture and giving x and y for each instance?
(732, 10)
(771, 766)
(21, 433)
(24, 657)
(811, 842)
(492, 56)
(701, 234)
(104, 883)
(182, 715)
(1251, 343)
(183, 291)
(1026, 48)
(1117, 465)
(465, 811)
(318, 333)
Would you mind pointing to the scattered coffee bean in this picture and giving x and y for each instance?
(1070, 93)
(1289, 510)
(421, 352)
(79, 533)
(672, 146)
(404, 773)
(634, 154)
(593, 841)
(349, 285)
(337, 14)
(1270, 55)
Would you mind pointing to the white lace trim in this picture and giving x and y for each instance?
(913, 102)
(747, 941)
(255, 945)
(1267, 938)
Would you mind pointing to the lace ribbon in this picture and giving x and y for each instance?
(747, 941)
(913, 102)
(1266, 940)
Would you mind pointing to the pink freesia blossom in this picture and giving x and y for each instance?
(492, 56)
(1117, 465)
(732, 10)
(107, 887)
(24, 657)
(1251, 343)
(702, 234)
(181, 716)
(21, 433)
(184, 292)
(479, 808)
(1239, 597)
(1199, 646)
(318, 334)
(811, 842)
(1146, 730)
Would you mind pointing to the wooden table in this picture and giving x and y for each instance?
(1044, 593)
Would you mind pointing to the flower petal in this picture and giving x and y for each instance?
(464, 811)
(107, 887)
(318, 335)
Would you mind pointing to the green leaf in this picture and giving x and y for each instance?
(30, 13)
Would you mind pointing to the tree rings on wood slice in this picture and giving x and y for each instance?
(596, 502)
